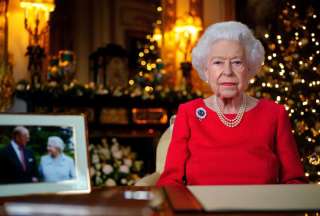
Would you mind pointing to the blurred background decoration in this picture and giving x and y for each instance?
(61, 68)
(3, 38)
(109, 66)
(7, 83)
(7, 90)
(36, 23)
(187, 30)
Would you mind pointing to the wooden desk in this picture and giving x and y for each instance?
(133, 201)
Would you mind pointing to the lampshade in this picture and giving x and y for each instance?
(189, 24)
(186, 31)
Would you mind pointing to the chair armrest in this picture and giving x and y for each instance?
(149, 180)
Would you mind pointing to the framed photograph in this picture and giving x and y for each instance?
(43, 154)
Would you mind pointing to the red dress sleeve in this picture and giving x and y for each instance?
(177, 153)
(291, 169)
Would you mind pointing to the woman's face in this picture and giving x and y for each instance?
(53, 151)
(227, 71)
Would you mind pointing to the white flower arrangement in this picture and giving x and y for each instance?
(113, 164)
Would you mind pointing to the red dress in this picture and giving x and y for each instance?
(260, 150)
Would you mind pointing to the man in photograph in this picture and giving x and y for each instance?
(17, 163)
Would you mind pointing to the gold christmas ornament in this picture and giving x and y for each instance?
(317, 149)
(290, 102)
(315, 133)
(272, 46)
(314, 159)
(288, 58)
(300, 127)
(304, 41)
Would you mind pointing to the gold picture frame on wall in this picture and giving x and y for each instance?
(38, 172)
(149, 116)
(6, 75)
(3, 37)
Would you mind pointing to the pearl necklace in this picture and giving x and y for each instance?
(231, 122)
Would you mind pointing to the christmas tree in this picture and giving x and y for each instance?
(150, 64)
(150, 70)
(291, 76)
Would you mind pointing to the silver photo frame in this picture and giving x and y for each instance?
(72, 130)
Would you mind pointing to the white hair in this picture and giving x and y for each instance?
(20, 130)
(56, 141)
(230, 30)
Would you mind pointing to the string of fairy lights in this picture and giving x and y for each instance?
(151, 67)
(291, 76)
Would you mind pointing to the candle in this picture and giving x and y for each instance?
(26, 13)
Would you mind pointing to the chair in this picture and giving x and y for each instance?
(161, 154)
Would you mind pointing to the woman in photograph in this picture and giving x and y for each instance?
(56, 166)
(230, 138)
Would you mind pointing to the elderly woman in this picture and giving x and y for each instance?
(230, 137)
(56, 166)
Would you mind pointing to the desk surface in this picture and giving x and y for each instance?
(123, 201)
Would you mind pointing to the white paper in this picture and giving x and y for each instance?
(258, 197)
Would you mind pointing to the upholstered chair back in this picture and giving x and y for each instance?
(162, 149)
(161, 155)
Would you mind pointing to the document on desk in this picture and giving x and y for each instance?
(291, 197)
